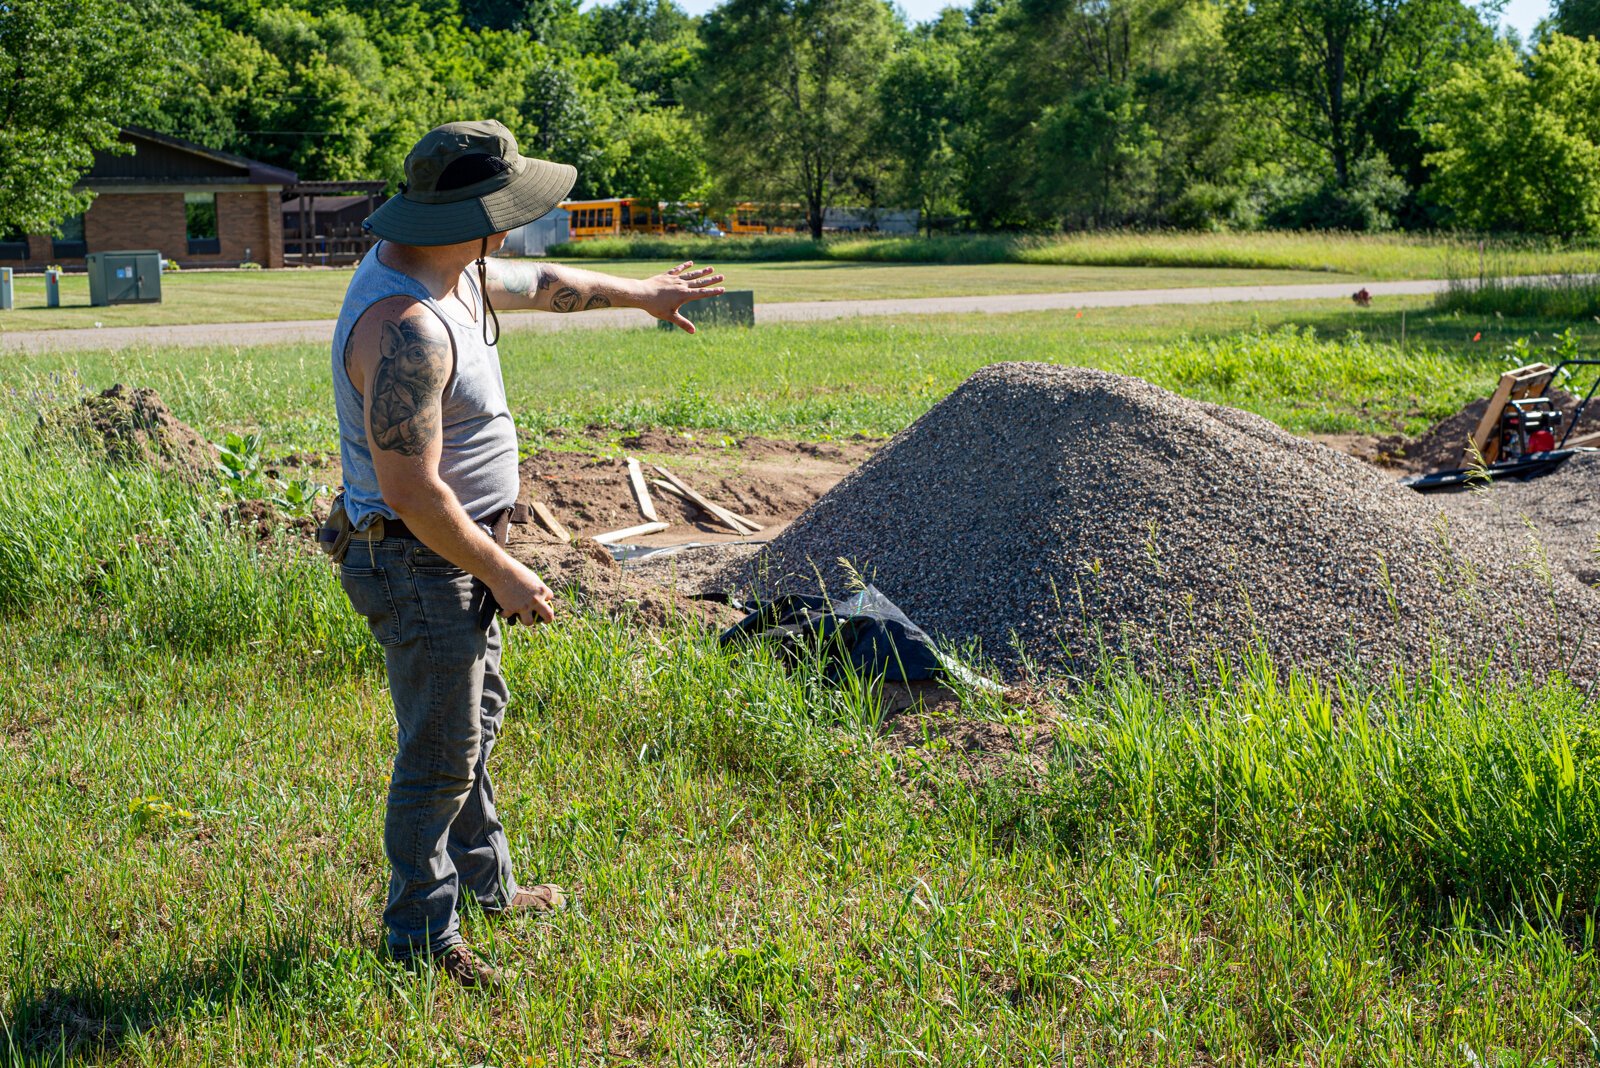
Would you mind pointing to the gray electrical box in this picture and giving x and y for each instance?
(736, 307)
(124, 277)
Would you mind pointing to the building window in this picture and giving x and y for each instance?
(13, 245)
(69, 241)
(200, 223)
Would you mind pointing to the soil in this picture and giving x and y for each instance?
(767, 481)
(584, 572)
(132, 425)
(584, 481)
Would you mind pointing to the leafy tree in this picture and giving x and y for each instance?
(786, 96)
(1340, 77)
(1577, 18)
(919, 114)
(652, 42)
(1083, 112)
(665, 160)
(72, 75)
(1518, 147)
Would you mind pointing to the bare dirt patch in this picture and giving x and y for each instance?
(765, 480)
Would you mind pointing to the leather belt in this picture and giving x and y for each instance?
(498, 525)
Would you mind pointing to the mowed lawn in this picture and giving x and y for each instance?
(194, 737)
(874, 376)
(315, 293)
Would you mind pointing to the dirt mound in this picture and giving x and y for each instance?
(584, 572)
(1441, 446)
(132, 425)
(1045, 513)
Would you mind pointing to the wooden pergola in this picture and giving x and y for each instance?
(341, 244)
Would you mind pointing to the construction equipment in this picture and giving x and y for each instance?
(1516, 437)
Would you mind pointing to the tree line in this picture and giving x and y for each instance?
(1008, 115)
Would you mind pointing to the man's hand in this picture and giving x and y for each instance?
(669, 291)
(560, 287)
(523, 597)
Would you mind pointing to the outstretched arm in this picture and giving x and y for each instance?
(559, 288)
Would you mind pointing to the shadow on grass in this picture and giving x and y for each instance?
(90, 1021)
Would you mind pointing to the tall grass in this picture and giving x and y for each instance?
(1367, 255)
(146, 556)
(1494, 284)
(1260, 870)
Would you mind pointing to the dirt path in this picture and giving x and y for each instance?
(319, 330)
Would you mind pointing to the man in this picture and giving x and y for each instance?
(429, 451)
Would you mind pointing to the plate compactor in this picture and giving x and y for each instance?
(1522, 434)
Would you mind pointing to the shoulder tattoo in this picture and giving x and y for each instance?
(412, 371)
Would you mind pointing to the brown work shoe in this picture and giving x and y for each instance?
(468, 969)
(546, 897)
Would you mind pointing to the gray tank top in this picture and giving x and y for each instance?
(479, 460)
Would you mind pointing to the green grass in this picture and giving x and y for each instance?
(263, 296)
(1370, 256)
(817, 380)
(194, 736)
(1257, 873)
(1493, 287)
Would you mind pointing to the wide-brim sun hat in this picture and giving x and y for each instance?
(466, 180)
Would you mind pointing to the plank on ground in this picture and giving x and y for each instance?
(738, 524)
(641, 492)
(629, 532)
(548, 519)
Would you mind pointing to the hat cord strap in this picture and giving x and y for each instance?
(483, 290)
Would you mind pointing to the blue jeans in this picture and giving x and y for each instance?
(442, 649)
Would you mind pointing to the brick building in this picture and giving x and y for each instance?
(195, 205)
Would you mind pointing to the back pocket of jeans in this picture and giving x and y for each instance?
(368, 590)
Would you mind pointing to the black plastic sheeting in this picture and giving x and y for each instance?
(865, 633)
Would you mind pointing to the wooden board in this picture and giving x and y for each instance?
(1520, 384)
(736, 523)
(629, 532)
(641, 493)
(548, 519)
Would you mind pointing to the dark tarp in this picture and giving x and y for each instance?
(866, 632)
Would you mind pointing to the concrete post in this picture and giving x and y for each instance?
(6, 302)
(52, 288)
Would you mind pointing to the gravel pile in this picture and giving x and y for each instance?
(1558, 514)
(1044, 512)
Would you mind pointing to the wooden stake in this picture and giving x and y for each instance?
(641, 493)
(548, 519)
(629, 532)
(738, 524)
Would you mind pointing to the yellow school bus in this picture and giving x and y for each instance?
(618, 216)
(615, 217)
(746, 218)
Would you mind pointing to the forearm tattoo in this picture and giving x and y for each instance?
(569, 299)
(405, 392)
(522, 279)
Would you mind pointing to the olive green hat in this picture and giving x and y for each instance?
(466, 180)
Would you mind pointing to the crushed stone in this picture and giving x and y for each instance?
(1041, 514)
(1558, 515)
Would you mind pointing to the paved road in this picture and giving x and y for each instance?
(793, 311)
